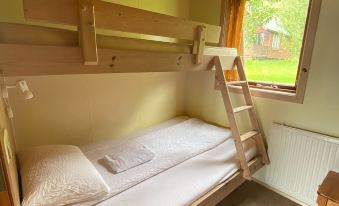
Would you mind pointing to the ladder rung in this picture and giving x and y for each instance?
(242, 108)
(254, 160)
(255, 164)
(235, 82)
(248, 135)
(224, 86)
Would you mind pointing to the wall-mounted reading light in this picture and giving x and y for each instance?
(22, 85)
(27, 94)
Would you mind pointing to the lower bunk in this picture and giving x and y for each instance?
(183, 161)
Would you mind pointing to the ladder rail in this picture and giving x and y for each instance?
(252, 113)
(255, 133)
(231, 118)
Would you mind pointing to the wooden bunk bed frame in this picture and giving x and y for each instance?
(34, 50)
(83, 48)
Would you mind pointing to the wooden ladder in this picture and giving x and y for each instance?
(255, 133)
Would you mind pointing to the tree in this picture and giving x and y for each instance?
(291, 14)
(257, 13)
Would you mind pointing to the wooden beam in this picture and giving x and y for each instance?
(11, 33)
(19, 60)
(8, 160)
(199, 44)
(220, 77)
(87, 33)
(307, 48)
(117, 17)
(4, 198)
(109, 42)
(219, 192)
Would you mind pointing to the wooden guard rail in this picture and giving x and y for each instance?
(24, 52)
(89, 15)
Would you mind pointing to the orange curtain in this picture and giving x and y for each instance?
(234, 19)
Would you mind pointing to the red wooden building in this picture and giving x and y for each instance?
(271, 43)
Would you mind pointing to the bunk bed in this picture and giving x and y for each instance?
(87, 45)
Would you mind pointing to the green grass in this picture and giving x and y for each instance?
(279, 71)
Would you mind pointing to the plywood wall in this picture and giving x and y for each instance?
(79, 109)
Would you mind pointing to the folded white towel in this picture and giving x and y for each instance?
(127, 156)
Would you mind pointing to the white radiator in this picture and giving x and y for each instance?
(299, 161)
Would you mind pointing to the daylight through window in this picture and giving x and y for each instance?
(273, 33)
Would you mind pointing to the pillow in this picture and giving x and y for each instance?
(59, 175)
(127, 156)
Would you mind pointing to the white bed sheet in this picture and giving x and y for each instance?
(179, 185)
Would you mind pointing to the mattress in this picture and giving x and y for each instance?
(179, 185)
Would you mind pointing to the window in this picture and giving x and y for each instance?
(260, 39)
(271, 62)
(276, 40)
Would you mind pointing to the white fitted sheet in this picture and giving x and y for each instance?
(179, 185)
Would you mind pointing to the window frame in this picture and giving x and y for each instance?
(291, 93)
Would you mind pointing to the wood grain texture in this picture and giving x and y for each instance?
(252, 112)
(218, 193)
(321, 201)
(18, 60)
(222, 190)
(220, 79)
(200, 44)
(117, 17)
(330, 187)
(87, 33)
(8, 157)
(221, 83)
(332, 203)
(4, 199)
(11, 33)
(307, 48)
(8, 160)
(51, 55)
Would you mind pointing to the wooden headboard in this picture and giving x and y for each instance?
(8, 160)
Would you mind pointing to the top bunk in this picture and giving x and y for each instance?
(94, 36)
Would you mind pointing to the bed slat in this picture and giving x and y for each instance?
(222, 190)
